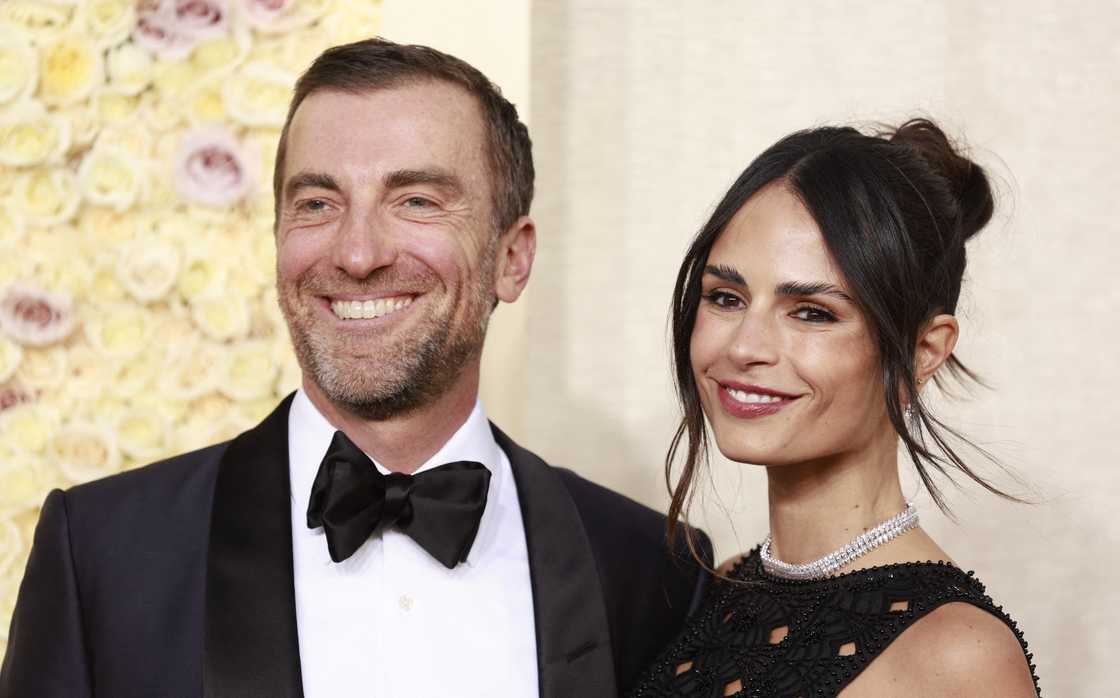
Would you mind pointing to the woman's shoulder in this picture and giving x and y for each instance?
(958, 649)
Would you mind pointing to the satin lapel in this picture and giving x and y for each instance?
(251, 647)
(573, 639)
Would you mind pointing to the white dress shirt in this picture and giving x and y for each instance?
(391, 621)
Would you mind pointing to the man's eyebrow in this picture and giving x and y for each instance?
(435, 177)
(310, 180)
(729, 274)
(811, 288)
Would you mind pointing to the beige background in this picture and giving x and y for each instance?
(642, 113)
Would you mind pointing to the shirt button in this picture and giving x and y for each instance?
(406, 603)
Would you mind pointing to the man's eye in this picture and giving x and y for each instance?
(312, 205)
(723, 299)
(811, 313)
(418, 202)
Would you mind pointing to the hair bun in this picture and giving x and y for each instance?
(967, 182)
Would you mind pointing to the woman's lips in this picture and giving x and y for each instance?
(749, 402)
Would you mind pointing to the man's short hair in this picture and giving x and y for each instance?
(377, 64)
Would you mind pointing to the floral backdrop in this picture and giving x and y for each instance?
(138, 314)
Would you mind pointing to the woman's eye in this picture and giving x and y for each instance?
(810, 313)
(723, 299)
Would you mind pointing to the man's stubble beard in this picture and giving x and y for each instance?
(425, 364)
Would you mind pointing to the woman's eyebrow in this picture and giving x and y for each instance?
(811, 288)
(729, 274)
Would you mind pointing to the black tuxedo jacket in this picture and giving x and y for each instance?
(176, 580)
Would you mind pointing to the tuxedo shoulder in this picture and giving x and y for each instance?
(171, 488)
(610, 504)
(604, 509)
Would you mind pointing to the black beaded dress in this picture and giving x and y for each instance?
(781, 638)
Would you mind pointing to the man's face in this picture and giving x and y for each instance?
(386, 245)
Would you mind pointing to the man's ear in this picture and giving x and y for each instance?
(935, 345)
(516, 249)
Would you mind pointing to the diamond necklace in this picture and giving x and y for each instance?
(823, 567)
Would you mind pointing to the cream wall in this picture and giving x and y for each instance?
(644, 112)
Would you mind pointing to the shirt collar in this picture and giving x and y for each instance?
(310, 434)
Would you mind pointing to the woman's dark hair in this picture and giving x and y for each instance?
(895, 210)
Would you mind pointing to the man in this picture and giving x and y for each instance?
(374, 535)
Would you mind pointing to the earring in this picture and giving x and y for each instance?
(909, 412)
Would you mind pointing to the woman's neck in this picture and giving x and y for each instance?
(818, 507)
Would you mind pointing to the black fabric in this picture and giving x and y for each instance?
(439, 508)
(159, 580)
(730, 642)
(250, 644)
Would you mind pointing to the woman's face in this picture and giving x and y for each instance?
(783, 358)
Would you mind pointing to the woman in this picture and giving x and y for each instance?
(809, 315)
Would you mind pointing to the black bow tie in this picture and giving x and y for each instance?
(438, 508)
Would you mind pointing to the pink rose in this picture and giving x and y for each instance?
(13, 394)
(265, 15)
(171, 28)
(202, 19)
(210, 168)
(34, 317)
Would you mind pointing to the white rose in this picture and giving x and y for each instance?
(19, 66)
(142, 434)
(221, 317)
(114, 106)
(44, 369)
(28, 427)
(47, 196)
(201, 275)
(11, 226)
(10, 357)
(258, 95)
(108, 227)
(41, 21)
(105, 287)
(70, 67)
(222, 54)
(131, 138)
(89, 373)
(109, 22)
(249, 371)
(84, 452)
(19, 485)
(34, 317)
(205, 106)
(138, 375)
(148, 269)
(193, 369)
(11, 544)
(111, 177)
(84, 125)
(29, 135)
(351, 21)
(119, 331)
(162, 115)
(130, 68)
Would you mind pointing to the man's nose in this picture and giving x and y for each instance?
(363, 245)
(755, 341)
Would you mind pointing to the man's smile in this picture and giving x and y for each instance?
(369, 308)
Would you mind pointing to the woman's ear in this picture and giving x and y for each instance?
(936, 342)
